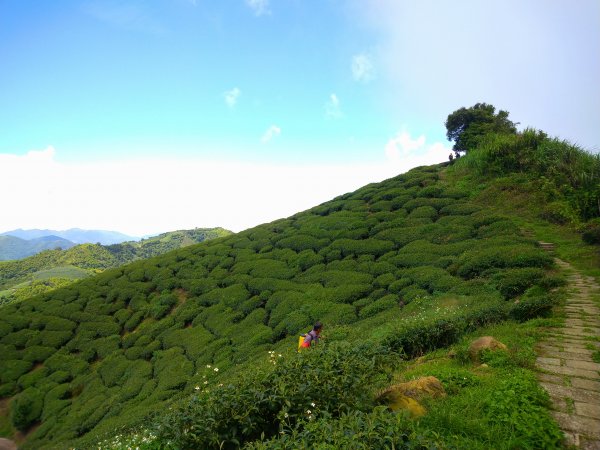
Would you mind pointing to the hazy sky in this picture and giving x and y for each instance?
(146, 116)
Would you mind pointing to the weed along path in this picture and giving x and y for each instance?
(567, 358)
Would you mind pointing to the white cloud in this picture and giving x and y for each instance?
(260, 7)
(231, 97)
(426, 72)
(271, 132)
(129, 195)
(332, 107)
(123, 195)
(362, 68)
(402, 148)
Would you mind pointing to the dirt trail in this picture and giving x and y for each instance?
(568, 372)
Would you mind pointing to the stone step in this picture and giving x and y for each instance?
(579, 424)
(590, 385)
(571, 371)
(577, 394)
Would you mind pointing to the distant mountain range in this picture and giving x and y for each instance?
(49, 269)
(13, 247)
(75, 235)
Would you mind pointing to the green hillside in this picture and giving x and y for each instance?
(46, 270)
(196, 348)
(12, 247)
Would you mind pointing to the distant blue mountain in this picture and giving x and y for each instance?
(12, 247)
(76, 235)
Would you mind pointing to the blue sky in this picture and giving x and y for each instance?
(347, 86)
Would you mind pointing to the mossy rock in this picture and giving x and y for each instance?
(406, 396)
(484, 343)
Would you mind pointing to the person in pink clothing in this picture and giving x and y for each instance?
(313, 335)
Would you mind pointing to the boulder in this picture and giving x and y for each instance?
(7, 444)
(484, 343)
(406, 396)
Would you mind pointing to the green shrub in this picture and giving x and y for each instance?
(8, 351)
(377, 429)
(26, 408)
(172, 370)
(590, 233)
(336, 278)
(388, 302)
(423, 212)
(383, 281)
(35, 377)
(192, 340)
(397, 286)
(8, 389)
(37, 353)
(67, 363)
(19, 338)
(336, 314)
(521, 405)
(160, 307)
(12, 369)
(5, 328)
(460, 209)
(292, 324)
(106, 345)
(475, 262)
(232, 296)
(56, 400)
(415, 339)
(300, 242)
(513, 282)
(100, 329)
(54, 339)
(372, 246)
(412, 292)
(134, 321)
(335, 380)
(529, 308)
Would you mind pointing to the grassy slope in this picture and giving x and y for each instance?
(16, 248)
(18, 278)
(382, 263)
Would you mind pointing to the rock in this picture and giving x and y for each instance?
(7, 444)
(484, 343)
(422, 388)
(399, 402)
(406, 396)
(483, 366)
(452, 354)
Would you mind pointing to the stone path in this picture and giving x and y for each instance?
(568, 372)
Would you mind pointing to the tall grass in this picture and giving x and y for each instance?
(563, 170)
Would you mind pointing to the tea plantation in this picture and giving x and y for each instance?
(397, 268)
(45, 271)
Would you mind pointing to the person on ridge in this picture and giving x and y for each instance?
(313, 335)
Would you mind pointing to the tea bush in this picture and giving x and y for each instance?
(383, 304)
(377, 429)
(513, 282)
(326, 382)
(26, 408)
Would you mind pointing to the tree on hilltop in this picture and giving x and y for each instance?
(466, 126)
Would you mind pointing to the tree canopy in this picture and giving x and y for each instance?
(466, 126)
